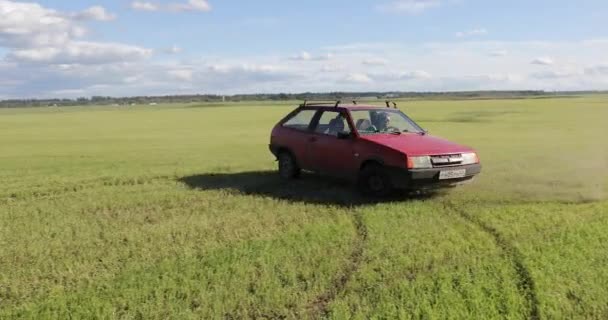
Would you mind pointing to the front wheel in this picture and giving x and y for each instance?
(374, 181)
(288, 168)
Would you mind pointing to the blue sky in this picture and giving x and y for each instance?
(57, 48)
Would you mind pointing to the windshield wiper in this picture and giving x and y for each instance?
(422, 133)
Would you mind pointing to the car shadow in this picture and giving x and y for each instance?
(310, 188)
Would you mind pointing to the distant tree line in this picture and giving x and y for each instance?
(201, 98)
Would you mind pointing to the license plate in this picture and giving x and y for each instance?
(452, 174)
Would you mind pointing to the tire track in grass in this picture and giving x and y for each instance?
(79, 186)
(525, 282)
(319, 306)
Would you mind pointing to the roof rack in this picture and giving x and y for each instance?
(388, 104)
(310, 103)
(336, 103)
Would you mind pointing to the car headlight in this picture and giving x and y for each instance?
(423, 162)
(470, 158)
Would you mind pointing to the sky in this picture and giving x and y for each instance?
(69, 49)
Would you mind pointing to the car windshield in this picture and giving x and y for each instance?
(379, 121)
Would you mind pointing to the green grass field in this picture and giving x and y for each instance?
(175, 212)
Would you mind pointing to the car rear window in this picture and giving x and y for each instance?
(300, 120)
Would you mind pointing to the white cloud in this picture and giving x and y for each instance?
(391, 77)
(34, 55)
(182, 75)
(261, 68)
(29, 24)
(472, 33)
(543, 61)
(324, 57)
(80, 52)
(191, 5)
(447, 66)
(331, 68)
(418, 74)
(69, 93)
(302, 56)
(306, 56)
(557, 74)
(131, 79)
(95, 13)
(358, 78)
(409, 6)
(173, 50)
(601, 69)
(498, 53)
(144, 6)
(503, 77)
(374, 62)
(35, 34)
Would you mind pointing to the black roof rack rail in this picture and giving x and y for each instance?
(354, 100)
(388, 104)
(310, 103)
(336, 103)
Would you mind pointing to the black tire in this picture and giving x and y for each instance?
(374, 181)
(288, 167)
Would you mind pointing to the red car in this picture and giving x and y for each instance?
(380, 148)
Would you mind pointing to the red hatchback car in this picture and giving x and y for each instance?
(380, 148)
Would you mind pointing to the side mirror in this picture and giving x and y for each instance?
(343, 135)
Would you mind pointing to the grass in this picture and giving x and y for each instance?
(174, 211)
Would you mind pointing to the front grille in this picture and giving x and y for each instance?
(446, 160)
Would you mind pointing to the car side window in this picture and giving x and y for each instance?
(301, 120)
(363, 122)
(331, 123)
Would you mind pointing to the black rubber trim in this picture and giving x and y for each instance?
(415, 178)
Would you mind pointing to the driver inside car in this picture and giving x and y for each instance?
(382, 121)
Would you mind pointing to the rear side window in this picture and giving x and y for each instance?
(301, 120)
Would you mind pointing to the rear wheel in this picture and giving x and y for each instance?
(288, 167)
(374, 181)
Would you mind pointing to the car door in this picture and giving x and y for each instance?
(329, 153)
(297, 133)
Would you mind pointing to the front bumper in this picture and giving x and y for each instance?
(402, 178)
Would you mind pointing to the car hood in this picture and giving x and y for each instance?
(417, 145)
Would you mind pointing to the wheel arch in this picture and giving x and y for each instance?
(371, 161)
(281, 149)
(284, 149)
